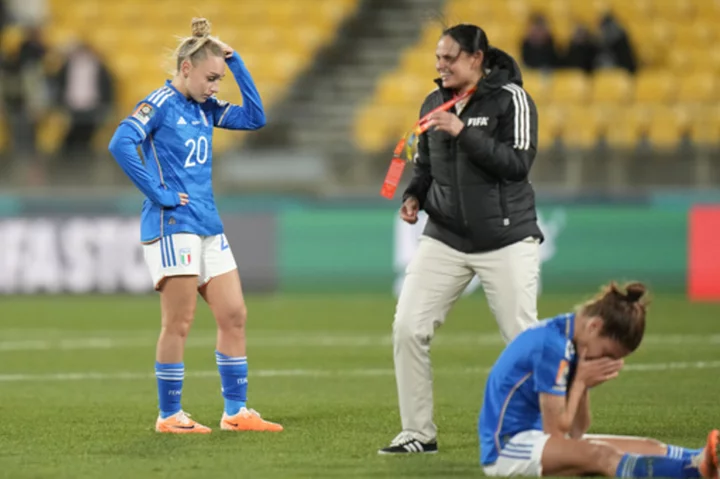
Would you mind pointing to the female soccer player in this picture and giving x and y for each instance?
(536, 409)
(181, 230)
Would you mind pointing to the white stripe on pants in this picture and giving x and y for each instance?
(435, 279)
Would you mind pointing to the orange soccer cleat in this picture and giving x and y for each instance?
(180, 423)
(247, 420)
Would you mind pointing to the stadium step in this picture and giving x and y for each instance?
(319, 108)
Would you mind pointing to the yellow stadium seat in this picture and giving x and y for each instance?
(461, 11)
(551, 121)
(51, 131)
(652, 86)
(712, 60)
(5, 141)
(546, 135)
(536, 84)
(707, 9)
(680, 60)
(579, 127)
(698, 88)
(705, 126)
(666, 128)
(693, 35)
(651, 39)
(391, 91)
(376, 126)
(629, 12)
(587, 12)
(611, 86)
(543, 7)
(569, 87)
(605, 115)
(675, 10)
(504, 36)
(627, 127)
(420, 62)
(562, 30)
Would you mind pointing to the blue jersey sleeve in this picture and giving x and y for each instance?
(249, 116)
(123, 147)
(131, 132)
(551, 368)
(148, 113)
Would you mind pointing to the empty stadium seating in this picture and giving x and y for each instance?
(673, 96)
(277, 39)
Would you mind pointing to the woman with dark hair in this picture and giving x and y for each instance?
(536, 411)
(471, 178)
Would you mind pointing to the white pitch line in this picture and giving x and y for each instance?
(320, 373)
(303, 340)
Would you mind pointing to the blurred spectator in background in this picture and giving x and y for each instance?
(615, 49)
(26, 95)
(85, 92)
(538, 47)
(4, 18)
(28, 12)
(582, 50)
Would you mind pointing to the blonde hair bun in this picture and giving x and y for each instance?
(200, 27)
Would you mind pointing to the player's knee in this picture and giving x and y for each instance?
(178, 323)
(603, 458)
(234, 317)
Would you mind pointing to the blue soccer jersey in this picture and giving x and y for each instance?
(175, 136)
(541, 359)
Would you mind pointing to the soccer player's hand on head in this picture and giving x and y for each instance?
(227, 49)
(409, 210)
(592, 372)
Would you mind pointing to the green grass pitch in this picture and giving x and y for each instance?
(78, 397)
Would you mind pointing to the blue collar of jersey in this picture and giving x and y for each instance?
(570, 326)
(168, 83)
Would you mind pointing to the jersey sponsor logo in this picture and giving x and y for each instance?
(181, 121)
(185, 257)
(144, 113)
(561, 379)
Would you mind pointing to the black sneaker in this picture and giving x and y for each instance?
(404, 443)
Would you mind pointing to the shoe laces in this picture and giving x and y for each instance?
(252, 412)
(183, 418)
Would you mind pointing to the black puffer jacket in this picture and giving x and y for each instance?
(475, 187)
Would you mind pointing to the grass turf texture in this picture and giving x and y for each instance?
(78, 396)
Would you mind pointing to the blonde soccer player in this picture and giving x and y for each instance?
(181, 230)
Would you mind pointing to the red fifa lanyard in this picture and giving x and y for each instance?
(397, 164)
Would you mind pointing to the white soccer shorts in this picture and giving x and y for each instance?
(188, 254)
(521, 456)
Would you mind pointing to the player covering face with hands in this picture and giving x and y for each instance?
(536, 410)
(185, 247)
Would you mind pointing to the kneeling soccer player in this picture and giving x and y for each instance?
(536, 410)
